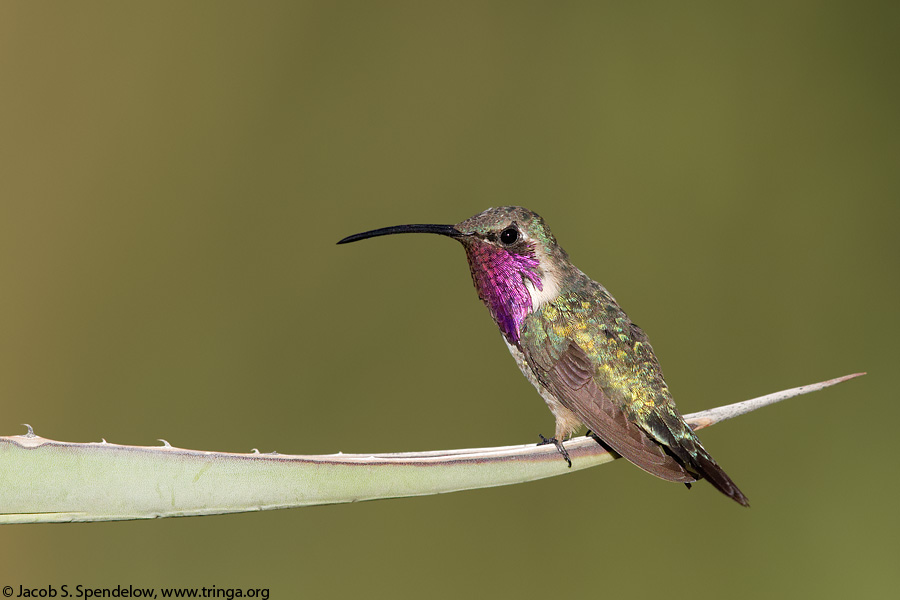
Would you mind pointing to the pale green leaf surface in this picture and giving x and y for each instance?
(43, 480)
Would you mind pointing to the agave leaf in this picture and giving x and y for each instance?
(44, 481)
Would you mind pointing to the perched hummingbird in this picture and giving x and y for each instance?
(573, 342)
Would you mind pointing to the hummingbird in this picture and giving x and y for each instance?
(590, 363)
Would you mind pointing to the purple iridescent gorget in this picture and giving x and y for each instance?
(499, 277)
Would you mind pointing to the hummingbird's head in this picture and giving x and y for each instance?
(513, 258)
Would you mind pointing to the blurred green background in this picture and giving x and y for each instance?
(173, 178)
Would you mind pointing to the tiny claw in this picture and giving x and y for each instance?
(559, 447)
(30, 433)
(165, 443)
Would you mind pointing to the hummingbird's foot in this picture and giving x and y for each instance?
(559, 447)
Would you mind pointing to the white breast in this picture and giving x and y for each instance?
(541, 297)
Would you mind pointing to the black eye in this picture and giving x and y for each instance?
(509, 235)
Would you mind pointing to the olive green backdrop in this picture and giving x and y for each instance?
(173, 178)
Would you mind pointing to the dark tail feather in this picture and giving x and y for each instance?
(712, 472)
(679, 441)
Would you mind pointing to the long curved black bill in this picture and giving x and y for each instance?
(448, 230)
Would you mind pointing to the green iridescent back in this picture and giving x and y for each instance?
(626, 369)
